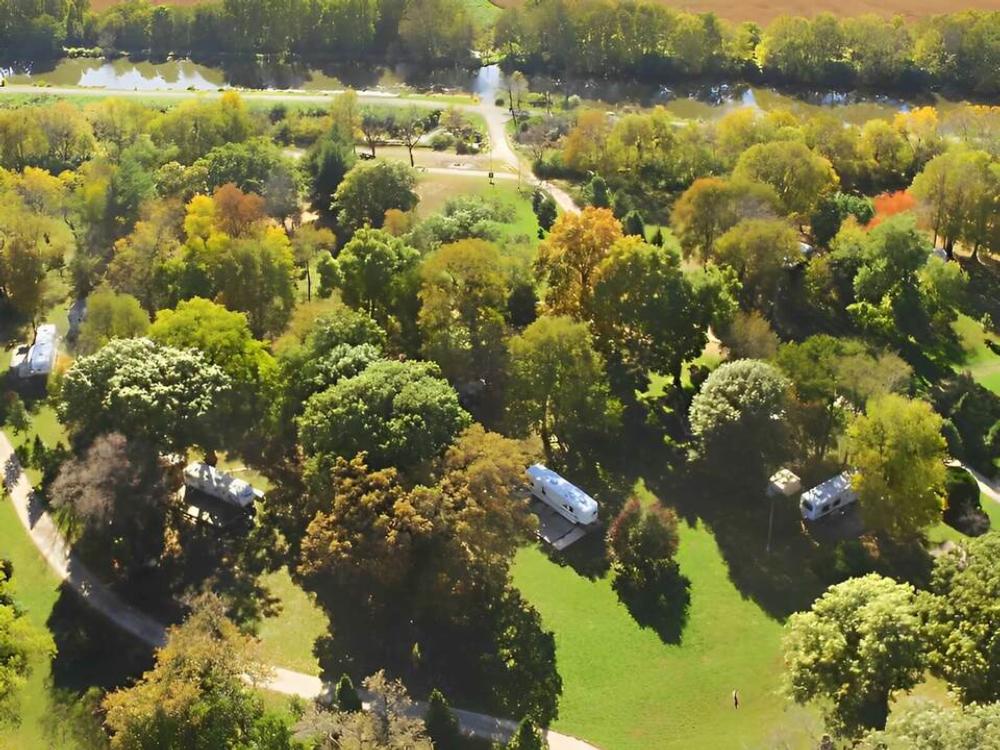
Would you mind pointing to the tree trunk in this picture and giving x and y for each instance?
(309, 282)
(410, 149)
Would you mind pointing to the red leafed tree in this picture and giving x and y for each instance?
(890, 204)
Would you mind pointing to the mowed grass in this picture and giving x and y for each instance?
(435, 190)
(763, 11)
(982, 362)
(36, 590)
(287, 638)
(623, 688)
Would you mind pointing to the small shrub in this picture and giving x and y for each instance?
(442, 141)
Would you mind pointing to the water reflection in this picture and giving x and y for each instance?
(706, 101)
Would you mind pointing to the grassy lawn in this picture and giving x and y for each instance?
(943, 532)
(983, 363)
(287, 639)
(37, 590)
(435, 189)
(625, 688)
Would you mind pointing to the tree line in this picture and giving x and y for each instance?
(651, 41)
(427, 31)
(562, 38)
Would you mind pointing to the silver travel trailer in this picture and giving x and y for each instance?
(220, 485)
(831, 495)
(39, 358)
(564, 498)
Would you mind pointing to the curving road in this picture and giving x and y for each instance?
(70, 569)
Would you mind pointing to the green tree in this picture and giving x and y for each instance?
(308, 242)
(899, 454)
(144, 390)
(558, 387)
(21, 644)
(437, 31)
(372, 270)
(646, 312)
(739, 413)
(758, 250)
(440, 723)
(398, 413)
(922, 724)
(370, 189)
(347, 696)
(798, 175)
(965, 650)
(196, 696)
(712, 205)
(110, 315)
(326, 162)
(225, 340)
(463, 295)
(527, 737)
(16, 414)
(861, 641)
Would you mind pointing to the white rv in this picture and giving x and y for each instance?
(831, 495)
(220, 485)
(39, 358)
(566, 499)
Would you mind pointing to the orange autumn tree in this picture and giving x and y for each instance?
(890, 204)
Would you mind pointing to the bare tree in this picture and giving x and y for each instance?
(409, 128)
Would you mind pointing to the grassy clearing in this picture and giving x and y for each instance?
(287, 639)
(624, 688)
(435, 189)
(980, 360)
(945, 533)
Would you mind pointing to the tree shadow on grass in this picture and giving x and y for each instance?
(660, 604)
(736, 510)
(92, 656)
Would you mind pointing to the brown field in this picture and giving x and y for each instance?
(763, 11)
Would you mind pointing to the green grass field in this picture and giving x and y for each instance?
(287, 639)
(623, 688)
(435, 189)
(980, 361)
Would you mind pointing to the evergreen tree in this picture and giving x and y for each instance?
(347, 696)
(440, 723)
(633, 224)
(527, 737)
(597, 190)
(657, 237)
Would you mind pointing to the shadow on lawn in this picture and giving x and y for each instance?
(658, 601)
(92, 656)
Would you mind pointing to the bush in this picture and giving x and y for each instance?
(962, 491)
(500, 101)
(442, 141)
(963, 509)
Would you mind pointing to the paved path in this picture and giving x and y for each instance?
(57, 553)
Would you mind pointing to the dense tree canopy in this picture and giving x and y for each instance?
(965, 648)
(899, 454)
(397, 413)
(370, 189)
(860, 641)
(558, 387)
(164, 395)
(740, 411)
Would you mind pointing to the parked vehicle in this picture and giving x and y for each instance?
(831, 495)
(566, 499)
(220, 485)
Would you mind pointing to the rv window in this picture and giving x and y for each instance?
(543, 490)
(836, 502)
(807, 505)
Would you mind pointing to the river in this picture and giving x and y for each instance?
(692, 102)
